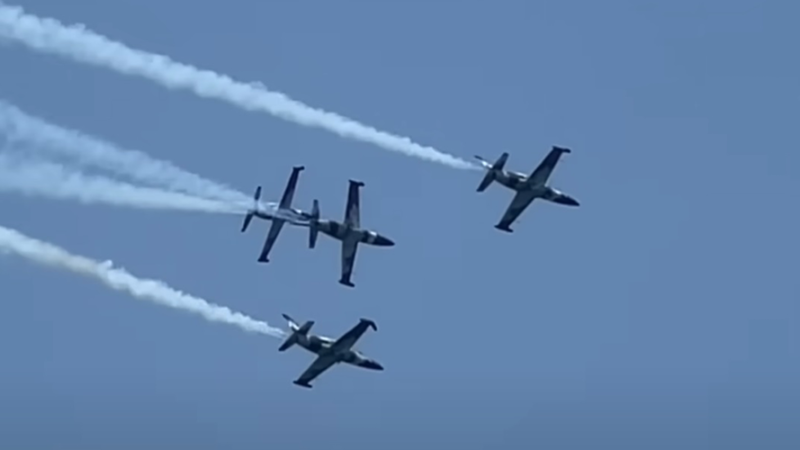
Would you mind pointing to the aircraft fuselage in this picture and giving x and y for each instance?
(517, 182)
(291, 215)
(512, 180)
(319, 345)
(341, 232)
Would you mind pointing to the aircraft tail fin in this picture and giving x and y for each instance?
(493, 170)
(292, 323)
(296, 333)
(313, 225)
(249, 216)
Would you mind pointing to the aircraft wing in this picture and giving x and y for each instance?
(541, 174)
(291, 186)
(347, 340)
(277, 223)
(352, 213)
(272, 236)
(518, 204)
(320, 365)
(349, 249)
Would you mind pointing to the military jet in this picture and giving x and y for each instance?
(278, 215)
(349, 232)
(528, 188)
(328, 351)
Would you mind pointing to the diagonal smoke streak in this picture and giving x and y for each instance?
(12, 241)
(80, 44)
(86, 150)
(44, 179)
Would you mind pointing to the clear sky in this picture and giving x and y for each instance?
(661, 314)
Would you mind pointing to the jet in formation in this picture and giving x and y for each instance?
(328, 351)
(348, 232)
(527, 188)
(279, 216)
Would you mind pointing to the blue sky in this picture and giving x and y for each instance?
(662, 313)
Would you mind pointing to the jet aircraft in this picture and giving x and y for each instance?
(328, 351)
(349, 232)
(280, 215)
(527, 188)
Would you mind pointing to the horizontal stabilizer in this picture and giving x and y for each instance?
(296, 333)
(493, 170)
(303, 330)
(249, 216)
(487, 180)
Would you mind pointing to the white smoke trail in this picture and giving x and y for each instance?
(120, 280)
(43, 179)
(83, 45)
(86, 150)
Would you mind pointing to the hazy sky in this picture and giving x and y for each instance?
(661, 314)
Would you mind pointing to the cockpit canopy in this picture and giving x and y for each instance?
(325, 340)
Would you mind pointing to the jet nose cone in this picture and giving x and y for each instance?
(383, 241)
(567, 200)
(374, 365)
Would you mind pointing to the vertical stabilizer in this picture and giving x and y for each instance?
(297, 332)
(249, 216)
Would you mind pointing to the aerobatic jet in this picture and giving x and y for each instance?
(527, 188)
(278, 215)
(328, 351)
(348, 232)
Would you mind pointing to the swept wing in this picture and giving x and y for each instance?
(352, 220)
(277, 222)
(334, 353)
